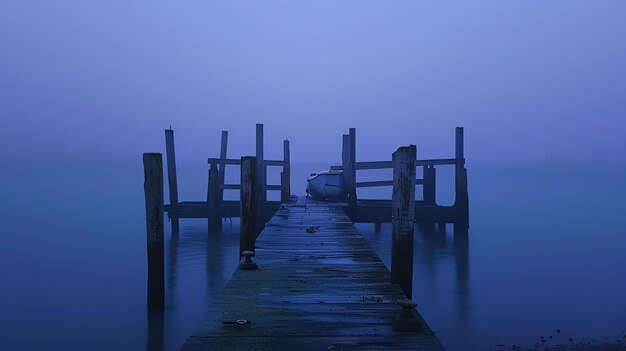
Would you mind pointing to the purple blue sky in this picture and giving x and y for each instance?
(104, 78)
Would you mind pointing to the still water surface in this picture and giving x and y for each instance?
(545, 251)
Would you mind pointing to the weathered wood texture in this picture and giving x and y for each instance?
(248, 200)
(402, 218)
(153, 188)
(348, 168)
(214, 199)
(228, 209)
(352, 136)
(171, 166)
(285, 175)
(461, 200)
(171, 177)
(222, 167)
(260, 165)
(430, 186)
(325, 290)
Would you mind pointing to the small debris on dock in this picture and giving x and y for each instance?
(312, 229)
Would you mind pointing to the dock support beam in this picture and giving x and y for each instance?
(461, 201)
(429, 186)
(285, 176)
(248, 198)
(153, 189)
(213, 199)
(171, 178)
(348, 166)
(222, 168)
(353, 197)
(260, 173)
(402, 218)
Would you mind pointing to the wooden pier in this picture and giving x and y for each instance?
(427, 211)
(315, 282)
(315, 289)
(216, 207)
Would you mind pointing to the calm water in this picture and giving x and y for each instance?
(545, 251)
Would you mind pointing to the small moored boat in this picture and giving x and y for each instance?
(327, 185)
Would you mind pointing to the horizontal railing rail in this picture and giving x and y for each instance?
(237, 162)
(366, 165)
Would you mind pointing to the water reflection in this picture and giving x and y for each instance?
(198, 265)
(461, 259)
(155, 331)
(441, 282)
(214, 254)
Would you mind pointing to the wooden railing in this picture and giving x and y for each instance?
(349, 167)
(217, 176)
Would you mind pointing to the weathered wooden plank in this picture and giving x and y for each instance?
(237, 187)
(365, 165)
(314, 290)
(382, 183)
(306, 343)
(236, 162)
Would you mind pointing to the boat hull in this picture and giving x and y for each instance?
(327, 185)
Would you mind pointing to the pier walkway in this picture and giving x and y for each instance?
(319, 286)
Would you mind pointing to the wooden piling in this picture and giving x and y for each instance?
(153, 189)
(352, 153)
(441, 227)
(347, 167)
(222, 167)
(429, 185)
(171, 178)
(458, 146)
(260, 165)
(285, 176)
(461, 201)
(214, 198)
(248, 200)
(402, 218)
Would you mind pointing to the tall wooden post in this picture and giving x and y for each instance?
(213, 198)
(260, 166)
(352, 155)
(461, 201)
(153, 189)
(171, 178)
(248, 200)
(222, 167)
(347, 168)
(429, 185)
(402, 218)
(459, 148)
(285, 176)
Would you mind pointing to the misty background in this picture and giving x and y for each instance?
(102, 79)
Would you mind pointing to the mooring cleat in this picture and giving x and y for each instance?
(247, 264)
(407, 320)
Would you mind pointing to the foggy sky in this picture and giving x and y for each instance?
(103, 79)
